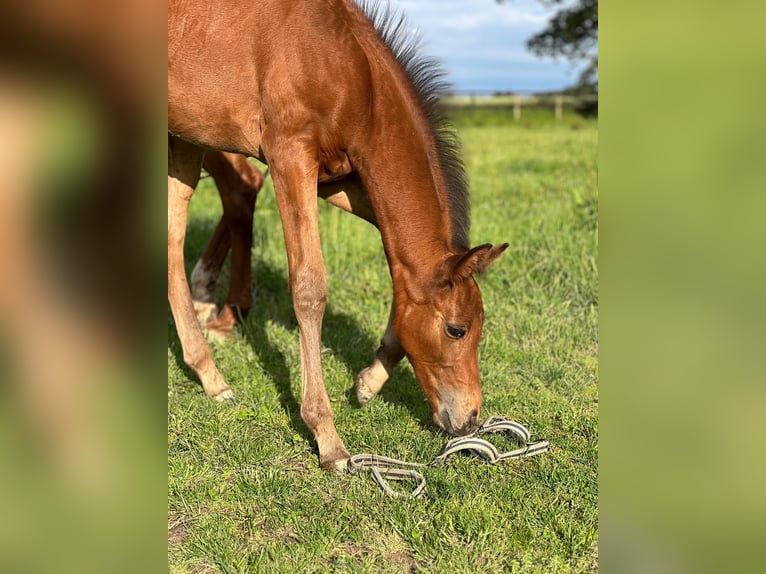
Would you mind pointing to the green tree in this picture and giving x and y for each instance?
(572, 33)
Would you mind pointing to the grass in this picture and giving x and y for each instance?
(245, 493)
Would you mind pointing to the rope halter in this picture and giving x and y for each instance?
(383, 468)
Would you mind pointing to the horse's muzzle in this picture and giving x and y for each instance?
(446, 422)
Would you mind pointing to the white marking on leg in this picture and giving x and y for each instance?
(203, 283)
(370, 381)
(205, 312)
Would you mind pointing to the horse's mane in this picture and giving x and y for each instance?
(427, 78)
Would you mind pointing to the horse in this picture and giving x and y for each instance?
(333, 96)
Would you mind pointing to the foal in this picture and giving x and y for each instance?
(329, 94)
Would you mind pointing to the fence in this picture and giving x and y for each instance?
(584, 104)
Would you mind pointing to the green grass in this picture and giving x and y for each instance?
(245, 493)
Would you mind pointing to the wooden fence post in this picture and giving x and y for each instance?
(516, 108)
(559, 105)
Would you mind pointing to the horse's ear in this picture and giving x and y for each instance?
(474, 262)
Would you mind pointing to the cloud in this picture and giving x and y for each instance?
(482, 44)
(502, 17)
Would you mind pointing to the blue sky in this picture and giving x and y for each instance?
(482, 43)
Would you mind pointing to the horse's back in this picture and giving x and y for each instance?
(235, 67)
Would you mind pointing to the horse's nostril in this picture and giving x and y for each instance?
(446, 424)
(470, 424)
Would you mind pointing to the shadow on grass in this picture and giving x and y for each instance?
(341, 333)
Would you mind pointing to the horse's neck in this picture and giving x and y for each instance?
(408, 194)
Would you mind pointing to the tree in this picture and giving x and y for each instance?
(572, 33)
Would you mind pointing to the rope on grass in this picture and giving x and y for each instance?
(383, 467)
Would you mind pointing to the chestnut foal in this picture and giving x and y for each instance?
(333, 98)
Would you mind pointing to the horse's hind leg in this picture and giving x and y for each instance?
(349, 195)
(238, 183)
(204, 276)
(184, 162)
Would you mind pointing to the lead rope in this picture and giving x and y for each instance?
(383, 467)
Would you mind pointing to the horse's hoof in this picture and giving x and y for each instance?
(205, 312)
(364, 380)
(338, 466)
(369, 382)
(363, 396)
(227, 395)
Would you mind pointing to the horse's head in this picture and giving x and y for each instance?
(440, 333)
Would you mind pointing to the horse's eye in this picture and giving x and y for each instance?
(455, 331)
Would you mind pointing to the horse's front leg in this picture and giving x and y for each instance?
(294, 171)
(349, 195)
(370, 380)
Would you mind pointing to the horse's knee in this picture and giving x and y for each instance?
(309, 294)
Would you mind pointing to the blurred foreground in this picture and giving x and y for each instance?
(682, 320)
(81, 278)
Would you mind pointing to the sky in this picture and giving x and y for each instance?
(482, 43)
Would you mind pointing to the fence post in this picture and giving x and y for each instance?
(516, 107)
(559, 105)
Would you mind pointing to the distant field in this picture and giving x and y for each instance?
(245, 493)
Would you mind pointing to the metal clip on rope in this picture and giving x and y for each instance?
(382, 467)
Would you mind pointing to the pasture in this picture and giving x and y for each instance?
(245, 493)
